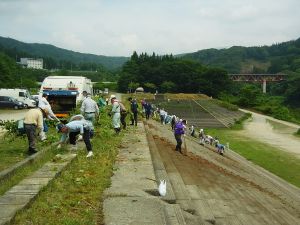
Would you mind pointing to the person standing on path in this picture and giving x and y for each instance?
(72, 129)
(34, 120)
(89, 109)
(179, 130)
(148, 109)
(115, 112)
(134, 109)
(123, 112)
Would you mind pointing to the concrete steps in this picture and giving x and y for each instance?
(226, 116)
(21, 195)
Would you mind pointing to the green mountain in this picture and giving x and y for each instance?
(54, 57)
(282, 57)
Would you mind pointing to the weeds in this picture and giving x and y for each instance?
(75, 197)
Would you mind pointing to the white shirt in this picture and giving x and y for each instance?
(89, 106)
(43, 103)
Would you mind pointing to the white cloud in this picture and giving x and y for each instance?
(119, 27)
(70, 40)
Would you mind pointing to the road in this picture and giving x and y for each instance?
(212, 189)
(11, 115)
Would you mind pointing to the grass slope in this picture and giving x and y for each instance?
(280, 163)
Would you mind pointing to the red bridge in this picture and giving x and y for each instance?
(263, 78)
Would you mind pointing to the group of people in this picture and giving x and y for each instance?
(179, 126)
(208, 139)
(82, 124)
(119, 113)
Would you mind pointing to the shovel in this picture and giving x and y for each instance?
(185, 149)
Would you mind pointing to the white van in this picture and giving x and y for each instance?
(65, 92)
(21, 95)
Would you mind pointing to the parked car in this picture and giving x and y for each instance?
(35, 98)
(21, 95)
(10, 102)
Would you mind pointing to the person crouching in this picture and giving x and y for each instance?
(74, 128)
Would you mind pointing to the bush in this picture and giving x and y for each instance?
(10, 125)
(227, 105)
(282, 113)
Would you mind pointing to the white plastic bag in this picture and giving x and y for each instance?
(162, 189)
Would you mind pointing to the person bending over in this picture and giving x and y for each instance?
(74, 128)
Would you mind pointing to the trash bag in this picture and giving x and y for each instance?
(162, 189)
(21, 129)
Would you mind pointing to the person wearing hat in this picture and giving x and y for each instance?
(116, 116)
(34, 120)
(74, 128)
(201, 136)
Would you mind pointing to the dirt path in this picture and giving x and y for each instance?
(212, 189)
(275, 132)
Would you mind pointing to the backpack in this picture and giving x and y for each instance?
(134, 106)
(122, 108)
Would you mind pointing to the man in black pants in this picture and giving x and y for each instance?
(179, 131)
(74, 128)
(134, 109)
(34, 120)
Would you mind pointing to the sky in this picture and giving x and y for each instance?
(119, 27)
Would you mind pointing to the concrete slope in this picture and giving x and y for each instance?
(214, 189)
(133, 197)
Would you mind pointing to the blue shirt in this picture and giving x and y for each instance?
(75, 126)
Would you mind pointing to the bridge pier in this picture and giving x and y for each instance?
(264, 86)
(258, 78)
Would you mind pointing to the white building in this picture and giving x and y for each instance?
(32, 63)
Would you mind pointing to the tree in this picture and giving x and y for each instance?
(7, 71)
(167, 86)
(249, 95)
(132, 86)
(293, 92)
(150, 87)
(214, 81)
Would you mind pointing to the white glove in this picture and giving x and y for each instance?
(59, 146)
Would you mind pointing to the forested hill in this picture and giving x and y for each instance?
(54, 56)
(282, 57)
